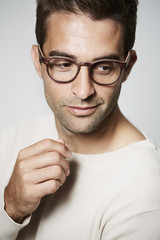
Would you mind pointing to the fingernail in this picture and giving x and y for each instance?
(68, 172)
(69, 153)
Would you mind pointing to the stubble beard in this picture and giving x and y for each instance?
(80, 125)
(84, 125)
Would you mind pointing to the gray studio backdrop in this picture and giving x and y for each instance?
(21, 91)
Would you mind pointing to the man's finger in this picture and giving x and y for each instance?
(44, 146)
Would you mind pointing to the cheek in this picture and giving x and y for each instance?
(51, 92)
(106, 92)
(54, 92)
(49, 89)
(110, 94)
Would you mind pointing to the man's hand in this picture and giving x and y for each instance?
(39, 170)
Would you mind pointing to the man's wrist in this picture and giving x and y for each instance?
(10, 209)
(12, 213)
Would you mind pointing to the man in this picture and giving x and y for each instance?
(93, 175)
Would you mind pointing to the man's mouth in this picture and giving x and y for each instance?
(82, 111)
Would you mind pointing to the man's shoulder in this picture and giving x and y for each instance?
(137, 144)
(142, 167)
(146, 149)
(143, 154)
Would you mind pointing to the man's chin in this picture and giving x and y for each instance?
(80, 129)
(80, 125)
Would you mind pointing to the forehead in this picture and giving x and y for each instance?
(81, 36)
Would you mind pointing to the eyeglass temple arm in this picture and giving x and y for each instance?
(41, 56)
(128, 59)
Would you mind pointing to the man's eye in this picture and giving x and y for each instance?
(60, 65)
(63, 65)
(103, 68)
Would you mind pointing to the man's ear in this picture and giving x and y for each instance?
(35, 59)
(132, 61)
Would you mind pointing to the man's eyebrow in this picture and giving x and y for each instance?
(110, 56)
(61, 54)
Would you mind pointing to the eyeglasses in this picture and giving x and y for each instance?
(65, 70)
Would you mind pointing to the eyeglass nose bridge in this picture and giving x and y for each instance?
(84, 64)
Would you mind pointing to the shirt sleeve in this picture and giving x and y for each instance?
(8, 228)
(145, 226)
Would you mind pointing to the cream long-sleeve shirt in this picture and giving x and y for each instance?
(109, 196)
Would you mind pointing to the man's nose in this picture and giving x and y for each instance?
(83, 86)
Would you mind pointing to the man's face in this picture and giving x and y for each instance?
(82, 106)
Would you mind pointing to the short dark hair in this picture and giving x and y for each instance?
(124, 11)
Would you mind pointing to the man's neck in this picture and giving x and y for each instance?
(114, 133)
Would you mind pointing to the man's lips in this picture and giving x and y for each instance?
(81, 111)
